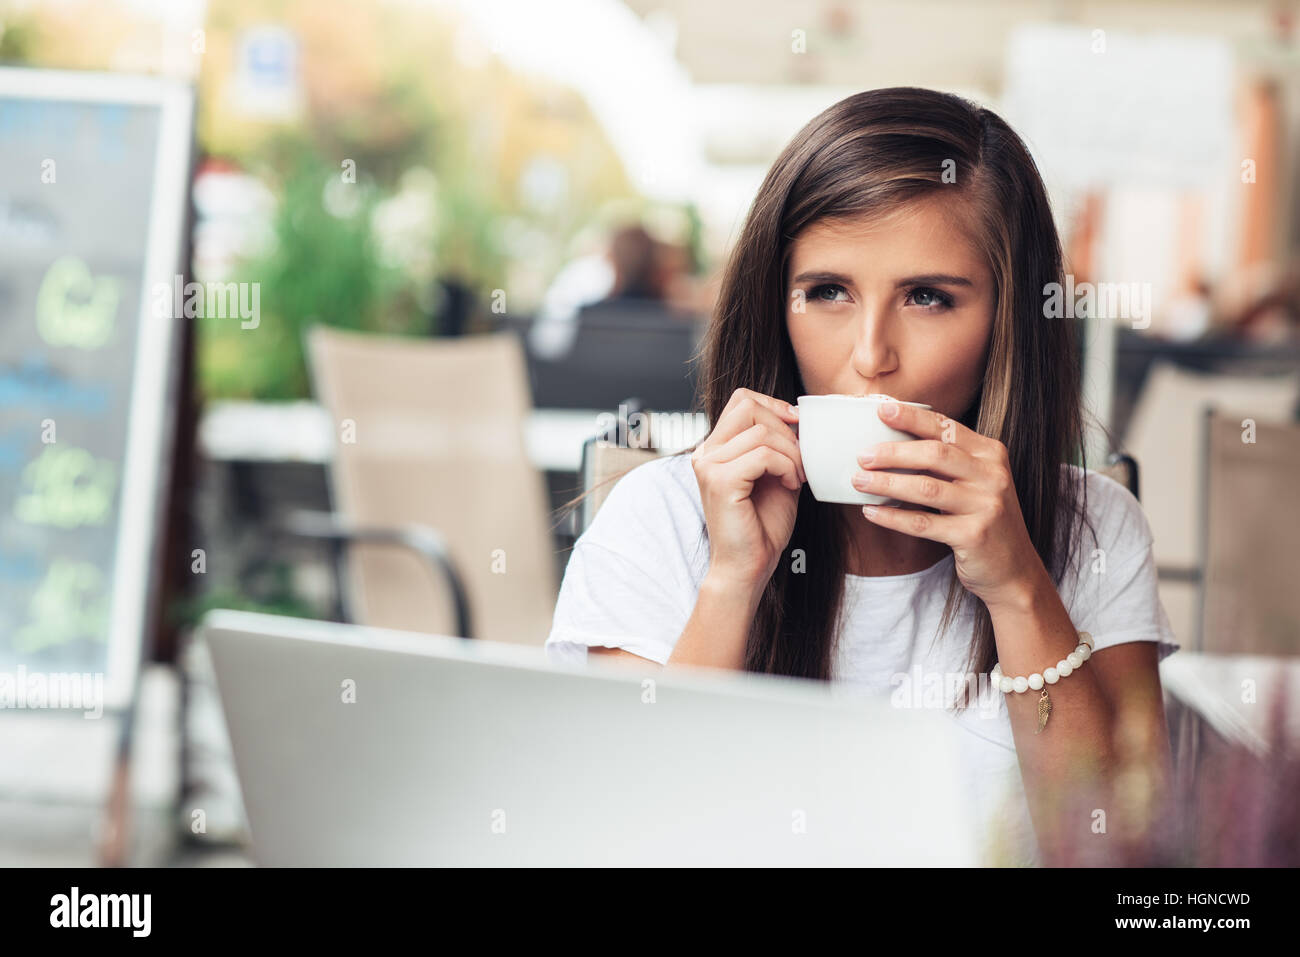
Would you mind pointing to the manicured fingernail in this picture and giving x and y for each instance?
(889, 410)
(867, 457)
(869, 511)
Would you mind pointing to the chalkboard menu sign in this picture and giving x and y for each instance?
(94, 178)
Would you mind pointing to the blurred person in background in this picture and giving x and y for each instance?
(1267, 311)
(633, 266)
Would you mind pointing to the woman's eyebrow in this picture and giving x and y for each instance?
(929, 279)
(822, 276)
(933, 279)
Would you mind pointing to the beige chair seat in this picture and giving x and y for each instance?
(431, 433)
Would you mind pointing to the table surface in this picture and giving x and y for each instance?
(304, 432)
(1238, 695)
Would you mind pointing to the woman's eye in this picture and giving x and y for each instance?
(817, 292)
(928, 298)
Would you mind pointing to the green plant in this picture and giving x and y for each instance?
(19, 38)
(322, 267)
(188, 612)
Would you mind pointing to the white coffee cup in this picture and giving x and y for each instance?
(833, 431)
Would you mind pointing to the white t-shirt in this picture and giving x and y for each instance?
(633, 576)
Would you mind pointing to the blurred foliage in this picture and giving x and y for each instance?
(384, 89)
(390, 87)
(322, 268)
(18, 38)
(188, 612)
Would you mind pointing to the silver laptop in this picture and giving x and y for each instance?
(358, 746)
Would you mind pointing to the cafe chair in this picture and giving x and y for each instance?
(431, 474)
(606, 458)
(419, 540)
(1123, 468)
(1165, 433)
(1249, 553)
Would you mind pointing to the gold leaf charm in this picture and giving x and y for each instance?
(1044, 710)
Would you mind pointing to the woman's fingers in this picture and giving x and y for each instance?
(761, 433)
(753, 437)
(757, 462)
(747, 407)
(919, 490)
(928, 455)
(781, 408)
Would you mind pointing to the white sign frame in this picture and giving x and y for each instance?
(150, 417)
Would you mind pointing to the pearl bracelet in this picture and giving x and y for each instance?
(1050, 676)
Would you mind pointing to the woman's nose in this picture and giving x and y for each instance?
(873, 354)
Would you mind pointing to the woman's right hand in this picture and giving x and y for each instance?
(750, 475)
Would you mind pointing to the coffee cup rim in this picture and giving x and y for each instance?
(869, 399)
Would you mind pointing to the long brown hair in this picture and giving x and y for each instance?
(867, 155)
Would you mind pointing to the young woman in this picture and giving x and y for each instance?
(903, 243)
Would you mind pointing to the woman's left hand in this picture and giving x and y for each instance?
(972, 489)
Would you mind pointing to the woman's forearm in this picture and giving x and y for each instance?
(1068, 767)
(718, 629)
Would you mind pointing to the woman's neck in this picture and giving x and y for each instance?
(875, 551)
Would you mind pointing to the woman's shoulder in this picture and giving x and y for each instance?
(667, 475)
(663, 484)
(1114, 518)
(1110, 584)
(652, 508)
(633, 575)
